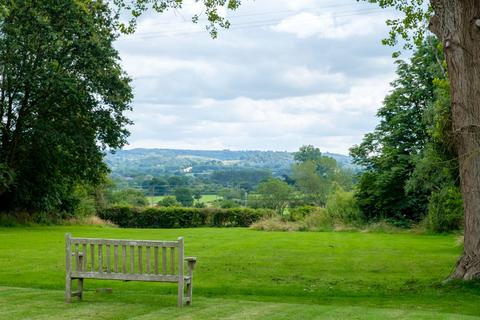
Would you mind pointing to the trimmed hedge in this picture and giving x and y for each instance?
(181, 217)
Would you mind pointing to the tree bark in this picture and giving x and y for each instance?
(457, 24)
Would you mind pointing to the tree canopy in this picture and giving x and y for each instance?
(390, 154)
(63, 96)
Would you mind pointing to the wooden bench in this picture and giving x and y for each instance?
(128, 260)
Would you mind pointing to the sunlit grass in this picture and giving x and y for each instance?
(246, 274)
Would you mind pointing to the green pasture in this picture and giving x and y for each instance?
(206, 198)
(246, 274)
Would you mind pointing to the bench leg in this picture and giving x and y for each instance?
(189, 293)
(68, 289)
(180, 293)
(80, 289)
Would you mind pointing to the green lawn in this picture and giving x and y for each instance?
(245, 274)
(206, 198)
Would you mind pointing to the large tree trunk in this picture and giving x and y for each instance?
(457, 24)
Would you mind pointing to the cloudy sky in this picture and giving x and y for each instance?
(287, 73)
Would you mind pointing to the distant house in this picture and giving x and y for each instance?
(187, 170)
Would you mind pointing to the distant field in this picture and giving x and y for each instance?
(246, 274)
(206, 198)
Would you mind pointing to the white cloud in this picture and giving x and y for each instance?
(304, 77)
(333, 121)
(327, 26)
(141, 65)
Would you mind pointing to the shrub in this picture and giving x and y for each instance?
(276, 223)
(445, 210)
(127, 197)
(343, 207)
(181, 217)
(169, 201)
(299, 213)
(226, 204)
(318, 220)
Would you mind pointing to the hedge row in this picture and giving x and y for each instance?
(180, 217)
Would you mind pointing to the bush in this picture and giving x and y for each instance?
(299, 213)
(276, 223)
(445, 210)
(342, 206)
(127, 197)
(169, 201)
(318, 220)
(181, 217)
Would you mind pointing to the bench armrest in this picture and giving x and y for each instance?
(191, 261)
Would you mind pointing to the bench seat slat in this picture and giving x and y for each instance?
(126, 277)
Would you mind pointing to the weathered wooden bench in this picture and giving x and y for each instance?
(131, 260)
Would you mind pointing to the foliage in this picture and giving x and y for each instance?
(411, 27)
(308, 153)
(86, 201)
(274, 194)
(342, 205)
(169, 201)
(390, 153)
(181, 217)
(312, 186)
(299, 213)
(225, 204)
(136, 7)
(445, 210)
(184, 196)
(131, 197)
(63, 96)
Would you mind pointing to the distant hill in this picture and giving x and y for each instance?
(136, 162)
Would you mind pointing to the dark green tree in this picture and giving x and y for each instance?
(63, 96)
(184, 196)
(307, 153)
(389, 153)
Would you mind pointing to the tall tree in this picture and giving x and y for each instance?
(62, 99)
(457, 24)
(389, 153)
(274, 194)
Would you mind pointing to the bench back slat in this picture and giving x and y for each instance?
(140, 260)
(92, 257)
(132, 259)
(172, 260)
(100, 257)
(164, 260)
(107, 256)
(115, 258)
(147, 259)
(84, 255)
(155, 266)
(124, 259)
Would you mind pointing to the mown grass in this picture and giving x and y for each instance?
(247, 274)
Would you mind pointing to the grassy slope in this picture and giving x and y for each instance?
(249, 274)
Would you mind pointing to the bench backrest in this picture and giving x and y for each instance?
(144, 260)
